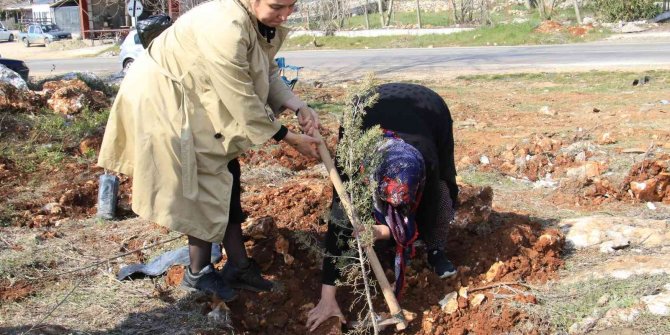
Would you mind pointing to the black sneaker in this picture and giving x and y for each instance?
(440, 264)
(207, 280)
(248, 278)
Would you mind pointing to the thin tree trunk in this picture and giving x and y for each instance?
(418, 13)
(579, 16)
(389, 12)
(309, 26)
(455, 16)
(367, 20)
(380, 9)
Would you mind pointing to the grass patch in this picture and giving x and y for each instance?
(565, 304)
(51, 138)
(505, 34)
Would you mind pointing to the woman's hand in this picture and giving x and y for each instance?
(308, 120)
(326, 308)
(305, 144)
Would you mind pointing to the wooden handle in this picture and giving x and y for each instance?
(389, 296)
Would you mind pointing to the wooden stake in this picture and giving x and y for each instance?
(389, 296)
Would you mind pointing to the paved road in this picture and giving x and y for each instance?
(344, 63)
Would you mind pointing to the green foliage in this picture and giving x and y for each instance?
(355, 149)
(627, 10)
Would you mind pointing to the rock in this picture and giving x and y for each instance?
(626, 315)
(508, 156)
(606, 138)
(624, 267)
(603, 300)
(10, 77)
(477, 300)
(220, 315)
(475, 207)
(52, 208)
(580, 157)
(484, 160)
(463, 292)
(546, 111)
(493, 271)
(583, 326)
(585, 171)
(585, 232)
(648, 190)
(631, 27)
(449, 303)
(611, 246)
(260, 228)
(588, 20)
(658, 304)
(282, 247)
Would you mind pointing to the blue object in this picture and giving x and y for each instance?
(160, 264)
(108, 189)
(281, 62)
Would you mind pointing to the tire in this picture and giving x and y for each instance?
(126, 65)
(11, 38)
(26, 42)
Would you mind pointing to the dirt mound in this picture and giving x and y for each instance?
(530, 159)
(13, 100)
(549, 26)
(298, 204)
(580, 30)
(71, 97)
(649, 180)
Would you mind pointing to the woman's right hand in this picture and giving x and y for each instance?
(305, 144)
(326, 308)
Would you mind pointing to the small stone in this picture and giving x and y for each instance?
(477, 300)
(220, 315)
(651, 206)
(606, 138)
(596, 110)
(546, 111)
(493, 270)
(658, 304)
(449, 303)
(484, 160)
(580, 157)
(602, 301)
(583, 326)
(463, 292)
(611, 246)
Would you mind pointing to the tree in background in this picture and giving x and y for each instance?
(627, 10)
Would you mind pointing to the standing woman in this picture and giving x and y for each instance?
(414, 187)
(204, 92)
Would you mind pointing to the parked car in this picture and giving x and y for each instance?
(43, 34)
(131, 48)
(5, 34)
(16, 65)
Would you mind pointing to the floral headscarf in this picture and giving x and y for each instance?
(400, 178)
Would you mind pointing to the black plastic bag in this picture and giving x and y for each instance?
(151, 27)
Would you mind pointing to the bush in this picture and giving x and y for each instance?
(626, 10)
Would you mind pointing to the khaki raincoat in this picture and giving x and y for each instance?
(202, 94)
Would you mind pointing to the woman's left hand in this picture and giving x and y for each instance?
(308, 120)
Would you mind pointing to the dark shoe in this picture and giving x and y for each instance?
(440, 264)
(207, 280)
(248, 278)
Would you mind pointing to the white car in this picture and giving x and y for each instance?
(131, 48)
(6, 35)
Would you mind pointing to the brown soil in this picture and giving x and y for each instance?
(549, 26)
(13, 292)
